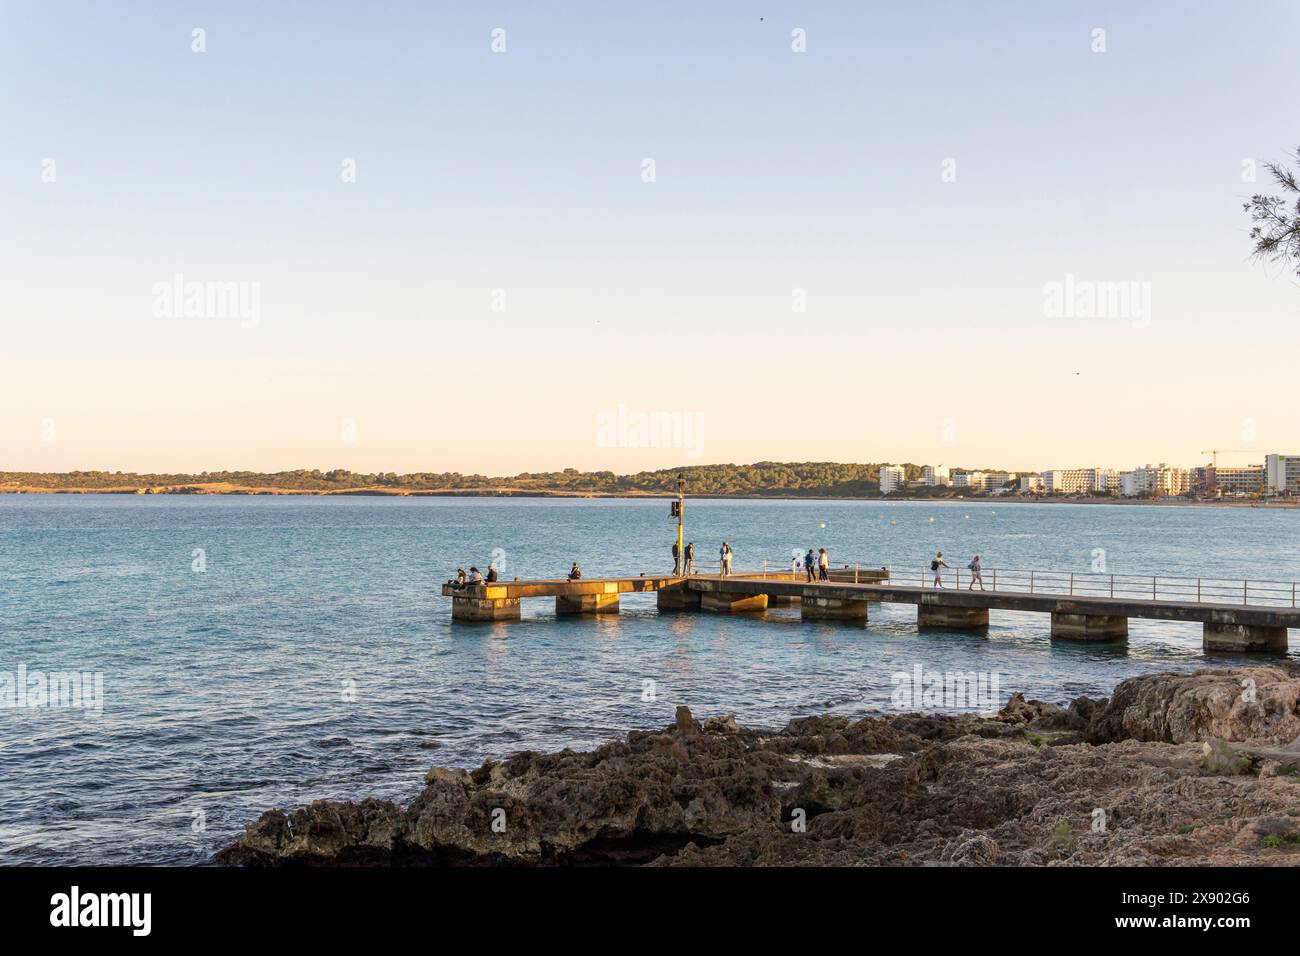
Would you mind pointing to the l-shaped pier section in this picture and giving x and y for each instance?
(850, 592)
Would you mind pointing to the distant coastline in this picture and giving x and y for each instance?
(226, 489)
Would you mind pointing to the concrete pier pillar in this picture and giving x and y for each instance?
(484, 609)
(1236, 638)
(586, 604)
(832, 609)
(677, 597)
(730, 602)
(952, 618)
(1089, 627)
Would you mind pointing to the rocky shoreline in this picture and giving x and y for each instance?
(1172, 769)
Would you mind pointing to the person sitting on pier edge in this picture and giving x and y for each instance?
(475, 576)
(809, 564)
(677, 560)
(460, 578)
(576, 572)
(823, 565)
(492, 574)
(935, 565)
(976, 573)
(690, 558)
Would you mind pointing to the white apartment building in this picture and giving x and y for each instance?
(1282, 473)
(1079, 481)
(1031, 484)
(1159, 480)
(933, 475)
(891, 478)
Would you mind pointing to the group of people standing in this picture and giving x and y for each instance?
(816, 567)
(726, 558)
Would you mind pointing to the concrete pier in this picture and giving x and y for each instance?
(813, 607)
(1242, 638)
(586, 604)
(847, 595)
(732, 602)
(484, 609)
(952, 618)
(1089, 627)
(678, 597)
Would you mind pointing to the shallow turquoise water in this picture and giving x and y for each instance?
(315, 657)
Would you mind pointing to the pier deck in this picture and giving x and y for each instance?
(1226, 626)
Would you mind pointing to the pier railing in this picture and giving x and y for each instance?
(1093, 584)
(1202, 590)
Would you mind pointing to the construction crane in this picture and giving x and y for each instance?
(1226, 451)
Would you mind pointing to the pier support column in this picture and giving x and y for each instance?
(677, 597)
(782, 600)
(952, 618)
(1089, 627)
(484, 609)
(586, 604)
(729, 602)
(832, 609)
(1235, 638)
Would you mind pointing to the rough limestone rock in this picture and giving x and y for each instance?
(1235, 704)
(896, 790)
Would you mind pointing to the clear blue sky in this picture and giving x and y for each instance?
(521, 171)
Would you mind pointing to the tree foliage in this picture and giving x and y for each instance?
(1276, 230)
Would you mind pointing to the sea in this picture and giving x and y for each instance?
(237, 653)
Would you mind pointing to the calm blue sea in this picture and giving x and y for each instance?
(314, 657)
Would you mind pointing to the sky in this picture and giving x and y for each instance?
(468, 237)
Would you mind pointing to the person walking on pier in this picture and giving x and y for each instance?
(935, 566)
(976, 573)
(690, 558)
(809, 565)
(677, 561)
(823, 565)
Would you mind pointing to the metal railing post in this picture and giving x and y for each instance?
(1245, 592)
(1198, 590)
(855, 572)
(1112, 585)
(1071, 583)
(1031, 582)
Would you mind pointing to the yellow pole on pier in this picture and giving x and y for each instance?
(681, 519)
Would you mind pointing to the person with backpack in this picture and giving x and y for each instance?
(976, 573)
(810, 565)
(935, 566)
